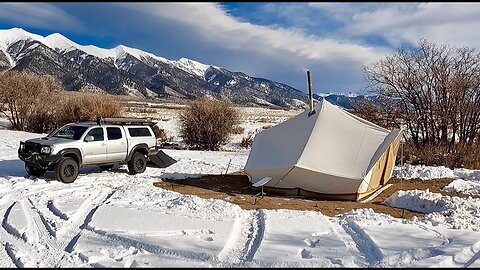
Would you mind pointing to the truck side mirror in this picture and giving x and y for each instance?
(89, 138)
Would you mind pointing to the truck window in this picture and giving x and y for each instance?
(114, 133)
(97, 134)
(139, 132)
(69, 132)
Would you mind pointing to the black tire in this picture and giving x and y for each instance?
(106, 167)
(137, 164)
(34, 171)
(66, 170)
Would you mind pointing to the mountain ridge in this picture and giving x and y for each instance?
(123, 70)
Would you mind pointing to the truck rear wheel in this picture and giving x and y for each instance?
(137, 164)
(66, 170)
(34, 171)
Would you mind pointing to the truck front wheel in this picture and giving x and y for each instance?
(66, 170)
(137, 164)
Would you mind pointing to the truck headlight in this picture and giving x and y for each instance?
(22, 146)
(45, 150)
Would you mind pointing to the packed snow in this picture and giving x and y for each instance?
(466, 181)
(113, 219)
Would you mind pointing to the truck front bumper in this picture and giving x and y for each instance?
(37, 160)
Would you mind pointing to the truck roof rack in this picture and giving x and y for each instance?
(125, 121)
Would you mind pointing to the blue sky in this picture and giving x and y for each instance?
(272, 40)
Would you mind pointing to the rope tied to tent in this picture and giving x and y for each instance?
(230, 161)
(281, 178)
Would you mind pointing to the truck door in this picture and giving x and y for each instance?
(95, 151)
(116, 144)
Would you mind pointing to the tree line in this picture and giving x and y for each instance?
(432, 91)
(39, 103)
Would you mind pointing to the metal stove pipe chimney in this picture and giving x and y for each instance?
(310, 95)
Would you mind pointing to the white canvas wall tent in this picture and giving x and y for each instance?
(330, 154)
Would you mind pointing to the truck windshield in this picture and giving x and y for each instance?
(69, 132)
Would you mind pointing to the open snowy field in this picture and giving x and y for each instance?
(252, 119)
(112, 219)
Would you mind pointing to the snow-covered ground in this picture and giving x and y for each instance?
(113, 219)
(466, 181)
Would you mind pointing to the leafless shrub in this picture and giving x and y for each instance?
(78, 107)
(160, 134)
(207, 123)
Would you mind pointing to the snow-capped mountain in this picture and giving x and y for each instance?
(129, 71)
(344, 100)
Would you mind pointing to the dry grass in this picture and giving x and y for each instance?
(463, 156)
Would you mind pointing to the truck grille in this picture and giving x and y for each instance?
(31, 148)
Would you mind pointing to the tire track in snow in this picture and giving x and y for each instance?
(406, 257)
(7, 260)
(13, 242)
(55, 211)
(129, 242)
(364, 243)
(42, 238)
(54, 245)
(466, 258)
(69, 234)
(437, 234)
(350, 245)
(235, 248)
(473, 259)
(9, 228)
(255, 236)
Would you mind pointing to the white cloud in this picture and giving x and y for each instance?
(218, 27)
(39, 15)
(399, 23)
(266, 50)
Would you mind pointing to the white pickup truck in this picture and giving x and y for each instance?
(103, 143)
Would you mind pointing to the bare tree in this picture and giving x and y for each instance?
(27, 100)
(38, 103)
(436, 89)
(78, 106)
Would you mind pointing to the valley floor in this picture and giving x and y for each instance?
(113, 219)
